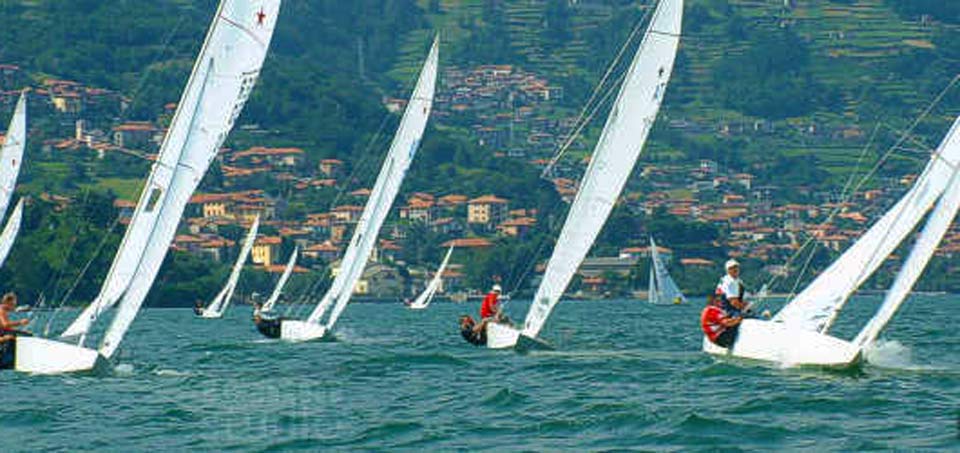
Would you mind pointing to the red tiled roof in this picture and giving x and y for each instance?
(467, 243)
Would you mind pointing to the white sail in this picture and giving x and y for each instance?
(424, 299)
(268, 306)
(10, 230)
(223, 77)
(817, 306)
(401, 153)
(652, 287)
(933, 232)
(666, 289)
(616, 152)
(218, 307)
(11, 155)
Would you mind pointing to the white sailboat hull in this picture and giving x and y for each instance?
(778, 343)
(301, 331)
(210, 314)
(41, 356)
(501, 336)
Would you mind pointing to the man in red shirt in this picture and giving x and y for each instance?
(718, 325)
(491, 304)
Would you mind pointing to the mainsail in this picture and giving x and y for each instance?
(817, 306)
(223, 77)
(398, 160)
(933, 232)
(218, 307)
(663, 290)
(620, 144)
(424, 299)
(11, 155)
(268, 305)
(9, 234)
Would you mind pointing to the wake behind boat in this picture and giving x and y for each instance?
(404, 147)
(223, 77)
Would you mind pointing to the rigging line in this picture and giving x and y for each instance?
(146, 75)
(544, 240)
(890, 151)
(581, 121)
(83, 272)
(66, 260)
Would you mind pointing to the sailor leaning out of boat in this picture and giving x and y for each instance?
(8, 305)
(726, 308)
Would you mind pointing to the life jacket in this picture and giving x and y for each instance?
(710, 321)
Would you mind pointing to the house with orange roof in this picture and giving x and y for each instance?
(135, 134)
(347, 213)
(326, 251)
(280, 157)
(468, 243)
(517, 227)
(266, 249)
(331, 167)
(419, 210)
(487, 211)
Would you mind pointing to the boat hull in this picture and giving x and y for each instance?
(205, 314)
(300, 331)
(776, 342)
(501, 336)
(41, 356)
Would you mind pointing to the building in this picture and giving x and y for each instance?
(488, 210)
(266, 250)
(517, 227)
(331, 167)
(134, 135)
(279, 157)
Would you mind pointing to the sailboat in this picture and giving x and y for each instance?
(219, 305)
(222, 79)
(278, 290)
(663, 290)
(799, 333)
(617, 150)
(11, 159)
(398, 160)
(424, 299)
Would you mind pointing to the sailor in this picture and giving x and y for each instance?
(198, 307)
(7, 351)
(9, 305)
(730, 289)
(490, 309)
(718, 324)
(475, 333)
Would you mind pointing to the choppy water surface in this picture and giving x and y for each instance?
(625, 375)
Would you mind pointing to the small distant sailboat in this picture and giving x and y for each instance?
(405, 144)
(11, 159)
(623, 138)
(424, 299)
(798, 334)
(663, 290)
(221, 82)
(219, 305)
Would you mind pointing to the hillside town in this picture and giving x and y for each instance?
(514, 115)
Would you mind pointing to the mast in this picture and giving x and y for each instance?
(617, 150)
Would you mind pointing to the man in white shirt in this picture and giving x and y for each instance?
(730, 288)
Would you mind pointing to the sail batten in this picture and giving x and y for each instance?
(621, 141)
(402, 151)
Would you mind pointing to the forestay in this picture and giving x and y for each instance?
(617, 150)
(424, 299)
(222, 79)
(817, 306)
(662, 287)
(936, 228)
(275, 296)
(220, 304)
(398, 160)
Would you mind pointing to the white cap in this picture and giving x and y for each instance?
(731, 263)
(497, 288)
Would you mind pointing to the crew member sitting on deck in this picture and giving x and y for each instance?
(8, 305)
(198, 307)
(718, 325)
(730, 289)
(490, 309)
